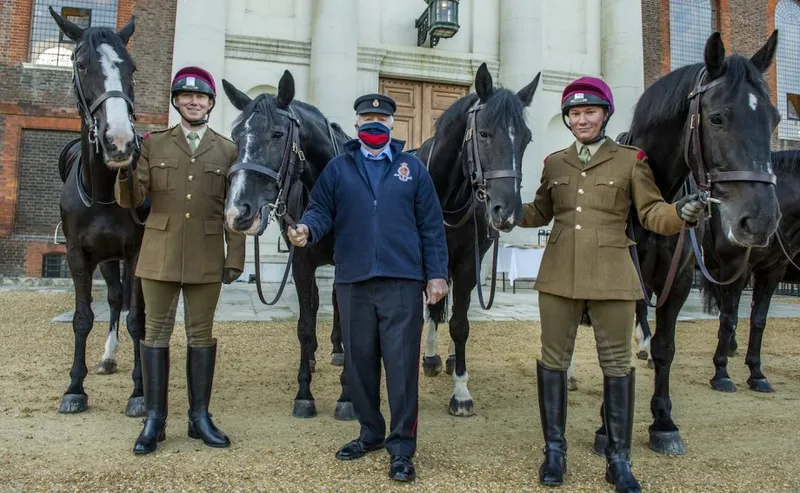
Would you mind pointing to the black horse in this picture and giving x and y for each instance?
(733, 135)
(479, 190)
(271, 131)
(97, 230)
(767, 267)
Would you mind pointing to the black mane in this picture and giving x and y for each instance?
(666, 99)
(267, 104)
(787, 162)
(501, 109)
(93, 37)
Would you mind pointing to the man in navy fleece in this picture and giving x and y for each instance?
(390, 255)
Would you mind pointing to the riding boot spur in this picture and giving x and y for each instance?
(155, 376)
(200, 363)
(552, 390)
(618, 399)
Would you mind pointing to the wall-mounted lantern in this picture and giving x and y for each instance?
(439, 20)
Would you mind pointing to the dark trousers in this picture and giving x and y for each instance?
(382, 317)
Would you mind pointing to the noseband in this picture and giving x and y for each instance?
(292, 165)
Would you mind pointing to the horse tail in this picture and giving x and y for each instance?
(710, 297)
(439, 313)
(127, 287)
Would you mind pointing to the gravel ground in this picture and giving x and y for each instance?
(737, 442)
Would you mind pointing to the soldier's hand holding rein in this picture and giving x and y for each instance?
(435, 290)
(690, 208)
(298, 236)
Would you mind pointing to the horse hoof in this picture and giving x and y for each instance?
(106, 367)
(723, 385)
(642, 355)
(304, 408)
(337, 359)
(667, 442)
(312, 363)
(344, 411)
(572, 383)
(599, 445)
(136, 407)
(733, 352)
(73, 403)
(450, 365)
(760, 385)
(462, 409)
(432, 365)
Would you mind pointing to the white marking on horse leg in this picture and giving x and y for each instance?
(460, 390)
(118, 122)
(431, 340)
(452, 349)
(112, 341)
(571, 369)
(753, 101)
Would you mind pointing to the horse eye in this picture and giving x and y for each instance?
(81, 67)
(484, 135)
(277, 134)
(715, 120)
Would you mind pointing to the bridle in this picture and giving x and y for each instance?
(703, 180)
(90, 120)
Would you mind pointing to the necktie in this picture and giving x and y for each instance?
(584, 156)
(193, 141)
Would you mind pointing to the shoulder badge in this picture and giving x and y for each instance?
(641, 156)
(146, 136)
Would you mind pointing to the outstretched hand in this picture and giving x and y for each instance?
(298, 235)
(435, 290)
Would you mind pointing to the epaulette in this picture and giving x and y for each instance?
(158, 131)
(548, 156)
(226, 138)
(640, 154)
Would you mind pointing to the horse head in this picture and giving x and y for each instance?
(103, 78)
(501, 137)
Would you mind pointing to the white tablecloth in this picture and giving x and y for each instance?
(519, 262)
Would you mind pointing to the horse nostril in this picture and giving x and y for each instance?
(497, 211)
(748, 224)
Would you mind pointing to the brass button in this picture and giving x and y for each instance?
(193, 159)
(189, 197)
(162, 165)
(554, 183)
(191, 177)
(579, 209)
(218, 171)
(611, 182)
(580, 191)
(577, 226)
(583, 173)
(188, 216)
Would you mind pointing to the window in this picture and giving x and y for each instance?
(691, 22)
(787, 21)
(48, 44)
(54, 265)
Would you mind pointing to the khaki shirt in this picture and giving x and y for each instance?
(184, 239)
(587, 255)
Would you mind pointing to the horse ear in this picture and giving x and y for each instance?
(237, 98)
(483, 82)
(72, 31)
(763, 57)
(526, 93)
(285, 90)
(715, 55)
(126, 32)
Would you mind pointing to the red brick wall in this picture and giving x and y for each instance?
(41, 99)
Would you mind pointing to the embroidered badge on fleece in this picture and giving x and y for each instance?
(403, 173)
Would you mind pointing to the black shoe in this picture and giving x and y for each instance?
(155, 379)
(618, 397)
(401, 468)
(552, 387)
(357, 449)
(200, 363)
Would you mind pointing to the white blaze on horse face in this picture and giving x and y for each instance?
(753, 101)
(118, 121)
(431, 340)
(510, 219)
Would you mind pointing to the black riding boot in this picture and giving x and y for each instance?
(618, 395)
(155, 379)
(552, 386)
(200, 364)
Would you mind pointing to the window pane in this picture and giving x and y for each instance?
(787, 21)
(48, 45)
(691, 22)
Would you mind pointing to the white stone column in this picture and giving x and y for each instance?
(200, 40)
(622, 58)
(334, 59)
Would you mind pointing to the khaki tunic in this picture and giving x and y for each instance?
(184, 239)
(587, 255)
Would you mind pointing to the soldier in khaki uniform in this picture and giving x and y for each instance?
(183, 171)
(589, 188)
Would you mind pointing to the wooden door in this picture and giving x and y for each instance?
(419, 104)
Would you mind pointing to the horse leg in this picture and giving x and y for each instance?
(461, 403)
(308, 298)
(450, 363)
(432, 362)
(643, 334)
(728, 319)
(344, 406)
(665, 437)
(135, 322)
(762, 295)
(110, 271)
(75, 399)
(572, 382)
(337, 354)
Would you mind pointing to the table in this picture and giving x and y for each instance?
(519, 262)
